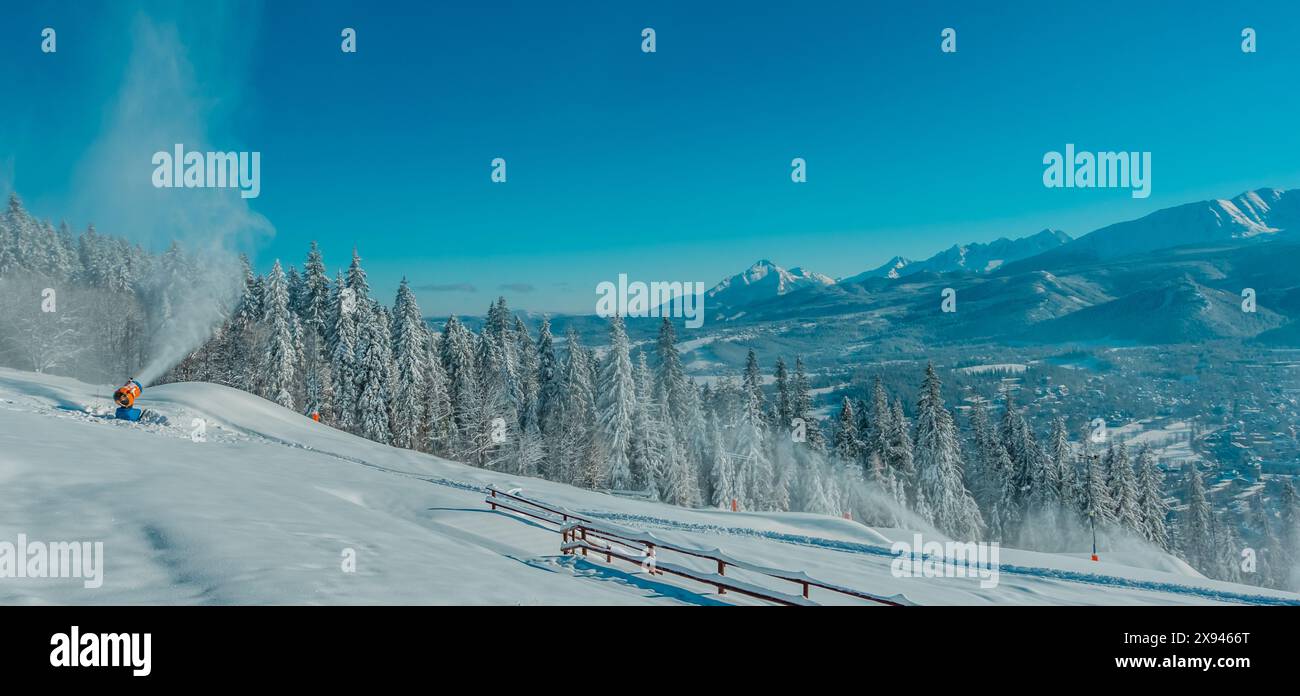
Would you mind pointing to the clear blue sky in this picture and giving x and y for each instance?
(665, 166)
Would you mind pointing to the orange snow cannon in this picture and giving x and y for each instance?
(126, 394)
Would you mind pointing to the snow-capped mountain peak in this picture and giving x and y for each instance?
(974, 257)
(761, 281)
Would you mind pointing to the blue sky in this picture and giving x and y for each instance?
(666, 166)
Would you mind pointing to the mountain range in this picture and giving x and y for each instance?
(1176, 275)
(974, 257)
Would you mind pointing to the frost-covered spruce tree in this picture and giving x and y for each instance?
(1196, 529)
(646, 448)
(374, 367)
(498, 329)
(409, 353)
(1005, 518)
(721, 478)
(549, 380)
(1122, 487)
(783, 408)
(280, 349)
(494, 424)
(1061, 458)
(1022, 448)
(670, 383)
(577, 414)
(343, 356)
(984, 475)
(357, 280)
(457, 355)
(753, 380)
(696, 438)
(616, 406)
(939, 464)
(899, 455)
(313, 303)
(1151, 499)
(1227, 546)
(294, 281)
(752, 468)
(848, 447)
(314, 312)
(1098, 509)
(876, 438)
(1262, 526)
(526, 366)
(437, 428)
(246, 357)
(530, 452)
(680, 484)
(803, 409)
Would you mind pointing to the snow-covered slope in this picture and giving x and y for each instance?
(264, 509)
(1253, 215)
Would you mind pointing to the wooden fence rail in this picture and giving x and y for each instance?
(581, 534)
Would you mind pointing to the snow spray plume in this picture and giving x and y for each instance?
(159, 104)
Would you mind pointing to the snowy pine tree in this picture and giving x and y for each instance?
(457, 354)
(752, 466)
(1098, 509)
(670, 384)
(549, 380)
(314, 313)
(343, 355)
(374, 368)
(876, 438)
(753, 380)
(616, 406)
(899, 452)
(410, 337)
(783, 409)
(647, 451)
(1060, 458)
(570, 448)
(848, 447)
(437, 427)
(939, 465)
(1122, 486)
(803, 409)
(1151, 505)
(281, 350)
(721, 476)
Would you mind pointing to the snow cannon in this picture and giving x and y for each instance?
(125, 397)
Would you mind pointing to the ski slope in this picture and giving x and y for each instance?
(264, 509)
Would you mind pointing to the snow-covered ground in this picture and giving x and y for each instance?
(266, 508)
